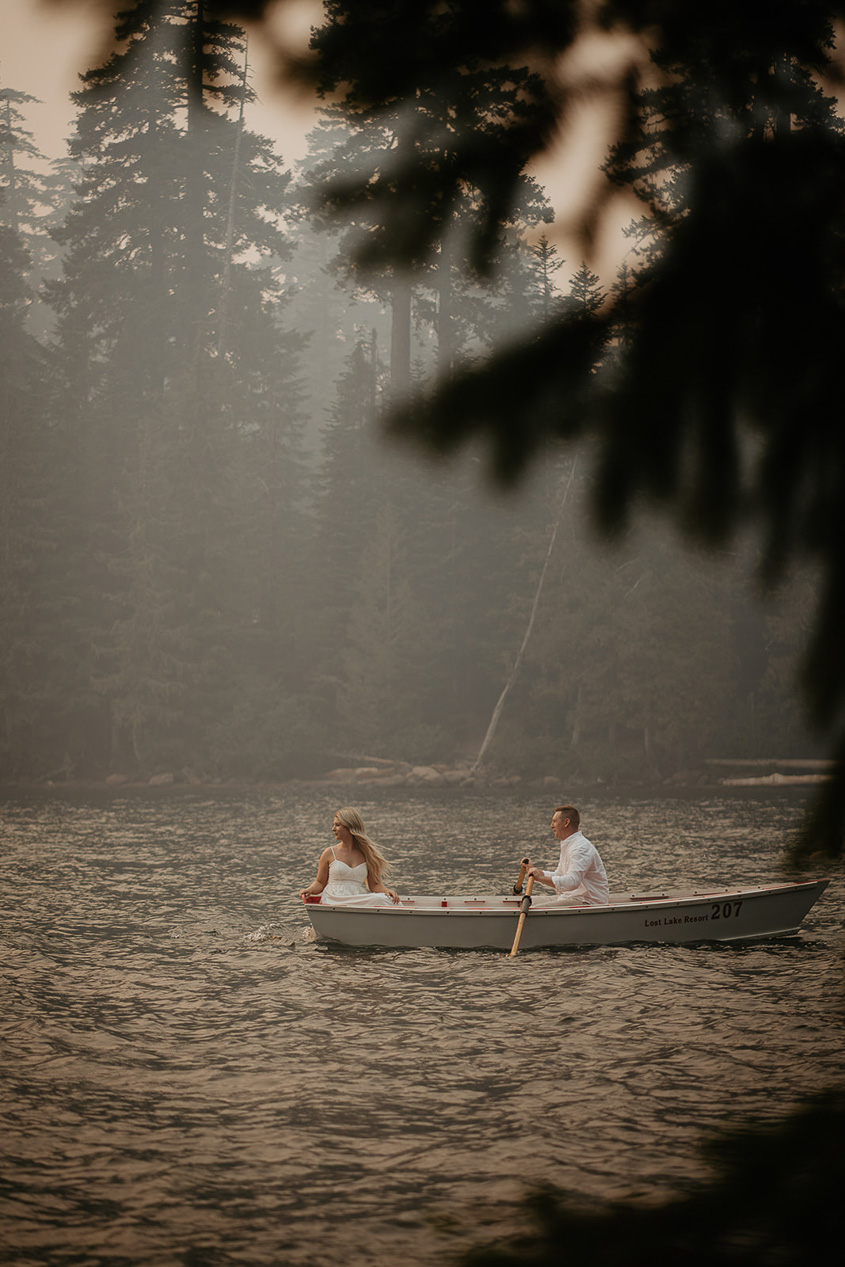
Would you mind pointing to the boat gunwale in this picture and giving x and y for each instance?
(632, 903)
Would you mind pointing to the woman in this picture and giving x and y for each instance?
(351, 871)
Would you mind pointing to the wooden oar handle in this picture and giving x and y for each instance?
(517, 888)
(524, 908)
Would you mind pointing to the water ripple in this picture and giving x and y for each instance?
(188, 1080)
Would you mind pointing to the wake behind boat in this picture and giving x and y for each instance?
(489, 922)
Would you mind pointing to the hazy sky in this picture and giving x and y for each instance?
(42, 51)
(45, 47)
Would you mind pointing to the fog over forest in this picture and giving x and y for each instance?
(213, 564)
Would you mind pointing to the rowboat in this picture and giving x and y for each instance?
(490, 922)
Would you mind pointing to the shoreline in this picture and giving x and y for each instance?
(551, 785)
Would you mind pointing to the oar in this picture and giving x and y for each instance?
(524, 905)
(517, 888)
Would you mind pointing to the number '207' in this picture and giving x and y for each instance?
(724, 910)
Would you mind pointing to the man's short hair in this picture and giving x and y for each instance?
(570, 812)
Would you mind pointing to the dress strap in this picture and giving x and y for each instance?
(334, 855)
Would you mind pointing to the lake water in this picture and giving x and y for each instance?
(187, 1080)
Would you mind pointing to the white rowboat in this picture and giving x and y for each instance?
(475, 923)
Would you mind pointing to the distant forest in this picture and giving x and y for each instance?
(211, 563)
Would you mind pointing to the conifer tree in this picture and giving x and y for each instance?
(586, 296)
(335, 149)
(547, 264)
(33, 198)
(29, 738)
(350, 487)
(425, 134)
(381, 684)
(333, 315)
(168, 333)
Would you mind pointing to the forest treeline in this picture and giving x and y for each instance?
(212, 564)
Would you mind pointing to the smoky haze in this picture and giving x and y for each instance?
(214, 566)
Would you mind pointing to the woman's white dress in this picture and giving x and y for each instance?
(349, 886)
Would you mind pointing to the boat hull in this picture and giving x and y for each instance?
(476, 923)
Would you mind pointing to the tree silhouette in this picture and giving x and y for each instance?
(724, 411)
(177, 373)
(28, 671)
(774, 1199)
(747, 385)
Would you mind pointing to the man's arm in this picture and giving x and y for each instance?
(578, 863)
(545, 877)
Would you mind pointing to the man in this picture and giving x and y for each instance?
(579, 878)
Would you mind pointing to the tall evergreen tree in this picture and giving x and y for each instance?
(333, 314)
(547, 264)
(34, 197)
(28, 737)
(424, 134)
(586, 296)
(170, 343)
(334, 151)
(381, 685)
(350, 488)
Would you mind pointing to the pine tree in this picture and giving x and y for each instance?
(350, 487)
(33, 198)
(334, 150)
(381, 682)
(684, 114)
(29, 739)
(333, 315)
(424, 134)
(169, 339)
(547, 264)
(586, 296)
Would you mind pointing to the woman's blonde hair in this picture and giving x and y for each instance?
(377, 864)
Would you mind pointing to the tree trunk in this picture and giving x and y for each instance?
(497, 711)
(575, 737)
(226, 282)
(445, 341)
(400, 338)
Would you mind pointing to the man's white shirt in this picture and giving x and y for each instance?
(580, 872)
